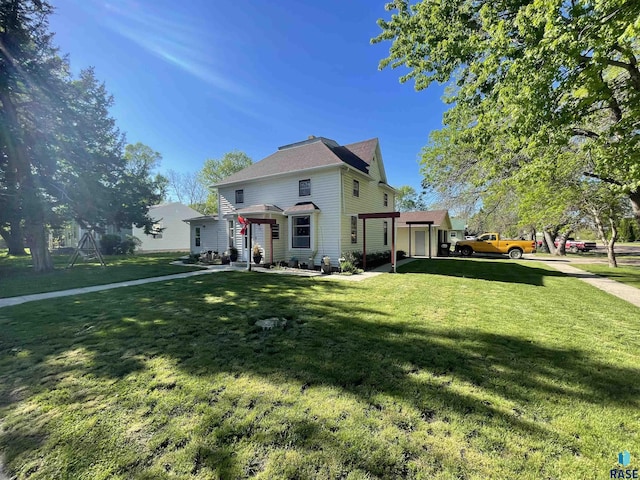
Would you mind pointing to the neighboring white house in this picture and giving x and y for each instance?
(314, 191)
(175, 234)
(458, 228)
(169, 216)
(414, 228)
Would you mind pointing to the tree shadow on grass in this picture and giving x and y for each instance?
(336, 337)
(495, 271)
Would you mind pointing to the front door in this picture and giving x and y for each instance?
(420, 244)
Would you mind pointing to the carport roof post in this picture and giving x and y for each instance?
(392, 216)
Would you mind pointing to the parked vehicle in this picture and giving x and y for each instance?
(492, 243)
(575, 246)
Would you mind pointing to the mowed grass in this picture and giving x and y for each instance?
(454, 369)
(624, 274)
(17, 276)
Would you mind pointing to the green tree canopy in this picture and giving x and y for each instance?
(216, 170)
(61, 152)
(527, 77)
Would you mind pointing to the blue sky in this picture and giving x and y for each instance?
(199, 78)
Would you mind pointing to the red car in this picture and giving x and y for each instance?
(575, 246)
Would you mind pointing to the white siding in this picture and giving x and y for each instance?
(175, 236)
(283, 192)
(371, 200)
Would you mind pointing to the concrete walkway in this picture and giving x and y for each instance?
(620, 290)
(11, 301)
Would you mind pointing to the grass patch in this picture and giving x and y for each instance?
(453, 369)
(629, 275)
(17, 277)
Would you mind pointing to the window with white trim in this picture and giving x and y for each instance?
(356, 188)
(385, 233)
(240, 196)
(301, 232)
(304, 188)
(354, 229)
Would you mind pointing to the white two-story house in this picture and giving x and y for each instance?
(314, 191)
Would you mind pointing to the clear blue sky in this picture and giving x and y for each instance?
(199, 78)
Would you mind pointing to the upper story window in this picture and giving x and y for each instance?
(239, 196)
(385, 201)
(304, 188)
(356, 188)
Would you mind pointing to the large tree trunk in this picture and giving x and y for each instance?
(37, 242)
(548, 241)
(561, 250)
(14, 239)
(33, 208)
(609, 242)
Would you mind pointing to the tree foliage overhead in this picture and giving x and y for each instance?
(217, 169)
(527, 79)
(61, 153)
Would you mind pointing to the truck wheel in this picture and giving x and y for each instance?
(573, 249)
(466, 251)
(515, 253)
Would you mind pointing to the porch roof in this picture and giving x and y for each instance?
(303, 207)
(213, 218)
(262, 208)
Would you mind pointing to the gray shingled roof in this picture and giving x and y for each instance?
(303, 207)
(262, 208)
(312, 153)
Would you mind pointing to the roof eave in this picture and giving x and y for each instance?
(283, 174)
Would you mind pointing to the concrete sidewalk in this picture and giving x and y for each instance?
(11, 301)
(620, 290)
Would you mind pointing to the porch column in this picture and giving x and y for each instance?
(249, 249)
(409, 240)
(271, 240)
(429, 241)
(393, 244)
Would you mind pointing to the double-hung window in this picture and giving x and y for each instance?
(301, 232)
(304, 188)
(386, 200)
(197, 236)
(239, 196)
(356, 188)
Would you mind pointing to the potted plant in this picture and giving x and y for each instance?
(233, 254)
(293, 263)
(257, 254)
(326, 264)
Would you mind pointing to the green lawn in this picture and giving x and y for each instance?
(17, 277)
(624, 274)
(462, 368)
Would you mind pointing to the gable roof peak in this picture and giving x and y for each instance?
(312, 139)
